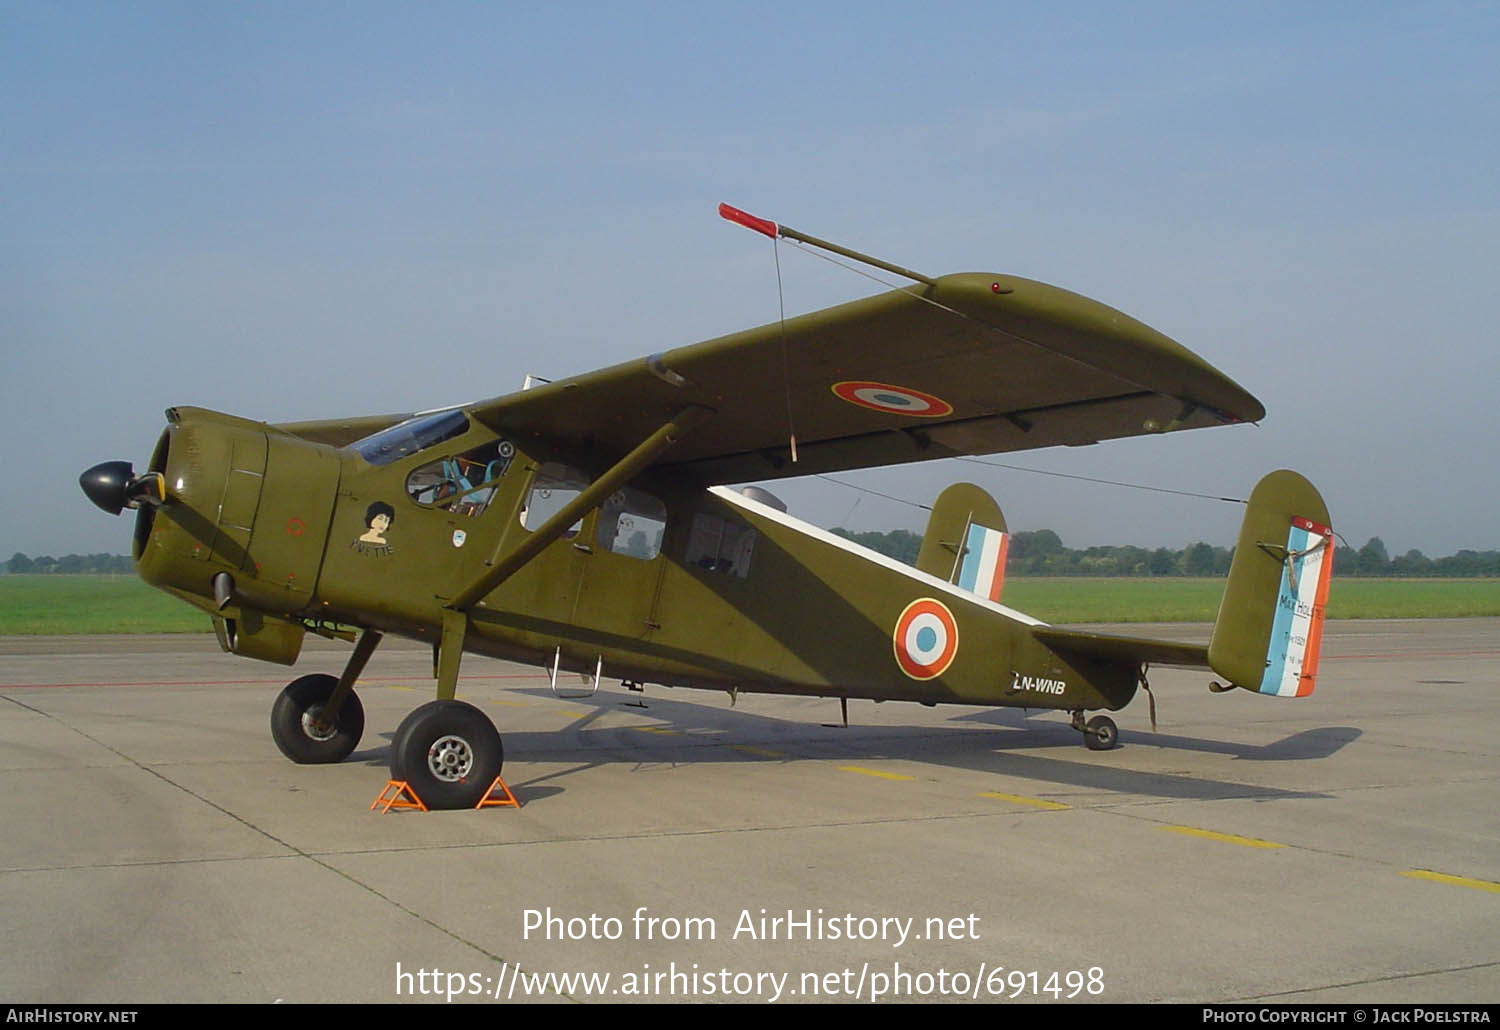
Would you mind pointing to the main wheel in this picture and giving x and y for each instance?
(1101, 734)
(300, 733)
(449, 752)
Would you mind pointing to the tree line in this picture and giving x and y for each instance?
(20, 563)
(1038, 552)
(1041, 552)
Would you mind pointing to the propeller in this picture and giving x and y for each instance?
(114, 486)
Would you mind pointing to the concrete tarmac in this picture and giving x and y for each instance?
(156, 847)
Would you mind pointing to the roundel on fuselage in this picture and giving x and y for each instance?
(925, 639)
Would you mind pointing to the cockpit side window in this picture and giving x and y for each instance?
(411, 436)
(462, 483)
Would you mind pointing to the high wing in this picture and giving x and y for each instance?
(972, 364)
(968, 364)
(341, 432)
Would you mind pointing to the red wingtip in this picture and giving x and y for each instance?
(749, 221)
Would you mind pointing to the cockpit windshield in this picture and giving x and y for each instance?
(411, 436)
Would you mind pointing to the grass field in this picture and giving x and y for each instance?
(54, 604)
(40, 605)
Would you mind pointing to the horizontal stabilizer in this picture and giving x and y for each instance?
(1109, 648)
(1270, 624)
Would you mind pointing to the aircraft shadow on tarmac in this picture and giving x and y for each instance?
(696, 733)
(1303, 746)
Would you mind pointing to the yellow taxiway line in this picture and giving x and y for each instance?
(1457, 881)
(874, 772)
(1227, 838)
(1020, 799)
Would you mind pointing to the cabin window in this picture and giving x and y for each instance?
(411, 436)
(721, 545)
(632, 523)
(553, 486)
(463, 484)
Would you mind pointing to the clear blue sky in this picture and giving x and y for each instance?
(306, 210)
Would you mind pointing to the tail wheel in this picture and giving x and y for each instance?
(449, 752)
(1101, 734)
(300, 731)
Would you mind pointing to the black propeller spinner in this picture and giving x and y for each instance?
(114, 486)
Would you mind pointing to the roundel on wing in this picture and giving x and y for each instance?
(897, 400)
(925, 639)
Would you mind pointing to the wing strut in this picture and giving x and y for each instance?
(455, 614)
(596, 494)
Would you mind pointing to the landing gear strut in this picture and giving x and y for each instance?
(1099, 734)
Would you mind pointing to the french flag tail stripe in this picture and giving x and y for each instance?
(982, 570)
(1297, 630)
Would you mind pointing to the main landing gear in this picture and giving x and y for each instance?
(1099, 734)
(447, 750)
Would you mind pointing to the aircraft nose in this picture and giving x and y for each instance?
(105, 484)
(114, 486)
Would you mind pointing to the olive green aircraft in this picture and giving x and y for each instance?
(589, 524)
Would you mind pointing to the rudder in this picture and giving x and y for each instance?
(1269, 629)
(966, 541)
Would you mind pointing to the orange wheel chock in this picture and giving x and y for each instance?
(395, 795)
(490, 801)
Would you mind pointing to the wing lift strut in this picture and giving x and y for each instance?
(456, 612)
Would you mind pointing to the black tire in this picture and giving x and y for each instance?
(1101, 734)
(449, 752)
(293, 722)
